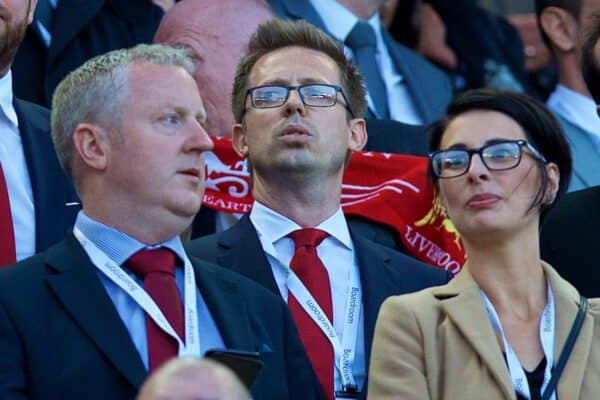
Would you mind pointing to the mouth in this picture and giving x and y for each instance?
(483, 200)
(191, 172)
(294, 131)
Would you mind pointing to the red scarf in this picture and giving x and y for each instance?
(391, 189)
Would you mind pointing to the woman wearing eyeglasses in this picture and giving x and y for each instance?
(507, 323)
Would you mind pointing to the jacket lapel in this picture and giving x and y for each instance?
(77, 286)
(226, 306)
(461, 300)
(229, 310)
(241, 251)
(52, 190)
(376, 285)
(69, 18)
(567, 304)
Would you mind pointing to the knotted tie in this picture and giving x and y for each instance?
(157, 268)
(363, 43)
(311, 271)
(7, 234)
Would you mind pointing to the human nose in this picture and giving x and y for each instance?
(198, 139)
(477, 169)
(294, 103)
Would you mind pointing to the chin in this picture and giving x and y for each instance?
(186, 208)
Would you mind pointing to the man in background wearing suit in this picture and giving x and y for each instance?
(564, 24)
(401, 84)
(298, 103)
(37, 200)
(569, 237)
(66, 33)
(90, 316)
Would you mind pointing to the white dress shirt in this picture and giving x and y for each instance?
(12, 159)
(337, 254)
(576, 108)
(339, 22)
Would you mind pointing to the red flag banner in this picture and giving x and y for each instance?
(391, 189)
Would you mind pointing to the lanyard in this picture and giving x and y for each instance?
(344, 350)
(517, 374)
(115, 273)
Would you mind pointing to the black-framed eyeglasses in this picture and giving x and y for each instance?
(497, 156)
(314, 95)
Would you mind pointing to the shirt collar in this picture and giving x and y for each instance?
(6, 98)
(117, 245)
(578, 109)
(273, 226)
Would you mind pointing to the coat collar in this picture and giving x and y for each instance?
(56, 202)
(77, 286)
(461, 300)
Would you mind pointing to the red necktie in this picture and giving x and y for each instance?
(311, 271)
(7, 234)
(157, 269)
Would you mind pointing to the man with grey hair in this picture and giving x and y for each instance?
(119, 296)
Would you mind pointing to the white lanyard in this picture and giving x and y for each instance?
(517, 374)
(115, 273)
(344, 351)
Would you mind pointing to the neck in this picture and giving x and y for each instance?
(511, 275)
(363, 9)
(147, 226)
(569, 75)
(304, 203)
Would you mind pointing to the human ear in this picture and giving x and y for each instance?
(92, 145)
(358, 134)
(238, 140)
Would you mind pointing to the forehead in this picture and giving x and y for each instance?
(294, 65)
(152, 86)
(475, 128)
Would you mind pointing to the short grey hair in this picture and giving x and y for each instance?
(95, 92)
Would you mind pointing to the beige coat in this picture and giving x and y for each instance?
(439, 344)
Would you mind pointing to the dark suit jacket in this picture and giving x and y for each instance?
(389, 136)
(62, 338)
(52, 188)
(383, 272)
(569, 239)
(81, 29)
(429, 87)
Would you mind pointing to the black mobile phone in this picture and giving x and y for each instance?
(245, 364)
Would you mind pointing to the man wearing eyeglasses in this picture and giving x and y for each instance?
(298, 105)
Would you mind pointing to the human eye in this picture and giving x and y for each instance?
(318, 94)
(171, 119)
(502, 152)
(268, 95)
(453, 159)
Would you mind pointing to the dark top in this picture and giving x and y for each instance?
(535, 379)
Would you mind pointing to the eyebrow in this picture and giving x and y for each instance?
(463, 146)
(285, 82)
